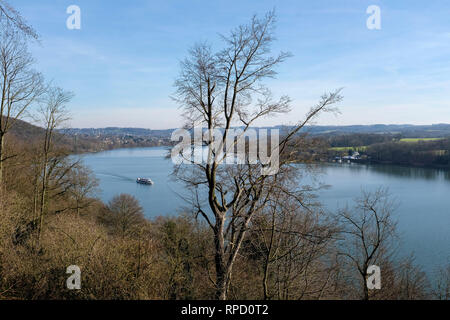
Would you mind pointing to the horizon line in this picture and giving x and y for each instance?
(274, 126)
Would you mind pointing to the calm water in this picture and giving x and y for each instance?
(423, 195)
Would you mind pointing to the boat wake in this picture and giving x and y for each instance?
(123, 178)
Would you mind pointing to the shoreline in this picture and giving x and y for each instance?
(404, 165)
(367, 162)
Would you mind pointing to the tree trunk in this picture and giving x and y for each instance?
(365, 289)
(267, 261)
(221, 270)
(2, 150)
(43, 203)
(42, 209)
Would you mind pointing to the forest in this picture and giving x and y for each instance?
(393, 149)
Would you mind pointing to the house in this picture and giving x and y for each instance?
(354, 156)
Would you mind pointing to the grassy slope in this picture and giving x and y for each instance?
(419, 139)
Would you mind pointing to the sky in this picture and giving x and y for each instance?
(122, 63)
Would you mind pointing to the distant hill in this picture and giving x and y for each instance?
(25, 131)
(116, 131)
(92, 140)
(405, 130)
(114, 137)
(80, 140)
(28, 133)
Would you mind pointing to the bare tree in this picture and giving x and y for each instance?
(123, 215)
(222, 90)
(368, 233)
(20, 85)
(291, 239)
(9, 16)
(442, 285)
(410, 281)
(53, 114)
(82, 187)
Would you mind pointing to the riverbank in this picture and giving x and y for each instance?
(392, 163)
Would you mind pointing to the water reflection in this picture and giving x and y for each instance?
(398, 171)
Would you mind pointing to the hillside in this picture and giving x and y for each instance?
(25, 131)
(28, 133)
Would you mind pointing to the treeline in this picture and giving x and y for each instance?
(421, 153)
(391, 149)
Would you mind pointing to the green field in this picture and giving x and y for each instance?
(419, 139)
(362, 148)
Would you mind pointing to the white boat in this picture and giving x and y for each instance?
(144, 181)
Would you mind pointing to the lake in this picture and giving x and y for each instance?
(423, 194)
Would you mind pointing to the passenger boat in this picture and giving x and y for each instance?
(144, 181)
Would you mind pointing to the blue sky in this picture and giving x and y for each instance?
(122, 63)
